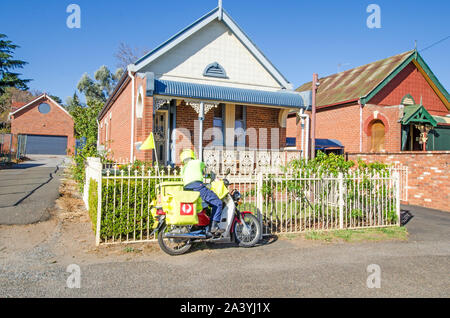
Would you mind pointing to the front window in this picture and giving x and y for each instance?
(218, 124)
(239, 126)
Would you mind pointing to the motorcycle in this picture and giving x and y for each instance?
(183, 220)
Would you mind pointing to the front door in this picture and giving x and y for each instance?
(161, 136)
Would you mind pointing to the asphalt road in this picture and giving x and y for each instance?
(419, 267)
(29, 189)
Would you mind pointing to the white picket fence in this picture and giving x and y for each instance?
(283, 202)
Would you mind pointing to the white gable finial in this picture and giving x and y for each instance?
(220, 10)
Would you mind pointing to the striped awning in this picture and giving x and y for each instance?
(289, 99)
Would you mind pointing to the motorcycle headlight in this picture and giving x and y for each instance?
(236, 196)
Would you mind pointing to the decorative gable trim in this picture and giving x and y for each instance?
(222, 16)
(215, 70)
(424, 70)
(418, 114)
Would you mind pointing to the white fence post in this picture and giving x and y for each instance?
(405, 185)
(99, 201)
(341, 200)
(259, 200)
(397, 195)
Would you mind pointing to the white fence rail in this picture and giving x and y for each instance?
(284, 203)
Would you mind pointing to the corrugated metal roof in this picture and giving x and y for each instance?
(356, 82)
(442, 120)
(232, 94)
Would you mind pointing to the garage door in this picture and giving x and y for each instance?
(46, 145)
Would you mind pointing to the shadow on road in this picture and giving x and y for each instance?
(405, 217)
(24, 166)
(218, 246)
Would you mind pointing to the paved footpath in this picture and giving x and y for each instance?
(29, 189)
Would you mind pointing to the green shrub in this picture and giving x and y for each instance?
(126, 208)
(92, 199)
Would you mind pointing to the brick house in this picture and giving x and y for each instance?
(395, 104)
(208, 88)
(48, 127)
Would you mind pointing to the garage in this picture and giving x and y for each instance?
(46, 145)
(48, 127)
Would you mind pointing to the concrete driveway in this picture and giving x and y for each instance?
(28, 189)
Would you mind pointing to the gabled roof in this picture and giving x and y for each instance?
(221, 15)
(43, 96)
(364, 82)
(417, 114)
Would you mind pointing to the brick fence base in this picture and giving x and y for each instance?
(428, 175)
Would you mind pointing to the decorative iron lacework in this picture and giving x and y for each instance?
(215, 70)
(159, 102)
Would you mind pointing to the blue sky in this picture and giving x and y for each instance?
(299, 37)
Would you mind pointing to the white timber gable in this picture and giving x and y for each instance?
(214, 43)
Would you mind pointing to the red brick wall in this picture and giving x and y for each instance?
(410, 81)
(265, 117)
(428, 175)
(389, 115)
(144, 125)
(119, 133)
(291, 127)
(55, 123)
(341, 123)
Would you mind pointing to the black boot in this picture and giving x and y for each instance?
(214, 227)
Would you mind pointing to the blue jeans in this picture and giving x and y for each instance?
(209, 197)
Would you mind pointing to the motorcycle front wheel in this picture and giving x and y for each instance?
(173, 246)
(247, 237)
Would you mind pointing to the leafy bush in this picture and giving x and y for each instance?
(322, 164)
(312, 185)
(79, 168)
(125, 207)
(92, 200)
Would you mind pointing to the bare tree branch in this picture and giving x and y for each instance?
(125, 55)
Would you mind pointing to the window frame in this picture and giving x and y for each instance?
(244, 126)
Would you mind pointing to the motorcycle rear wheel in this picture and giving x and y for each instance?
(174, 246)
(247, 240)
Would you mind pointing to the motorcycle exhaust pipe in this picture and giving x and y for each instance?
(185, 236)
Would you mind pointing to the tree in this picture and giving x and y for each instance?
(126, 55)
(100, 89)
(85, 121)
(72, 103)
(8, 78)
(56, 99)
(12, 94)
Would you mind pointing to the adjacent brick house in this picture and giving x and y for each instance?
(385, 106)
(208, 78)
(48, 126)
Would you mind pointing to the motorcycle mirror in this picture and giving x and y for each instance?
(228, 171)
(213, 176)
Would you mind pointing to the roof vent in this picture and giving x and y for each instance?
(215, 70)
(408, 100)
